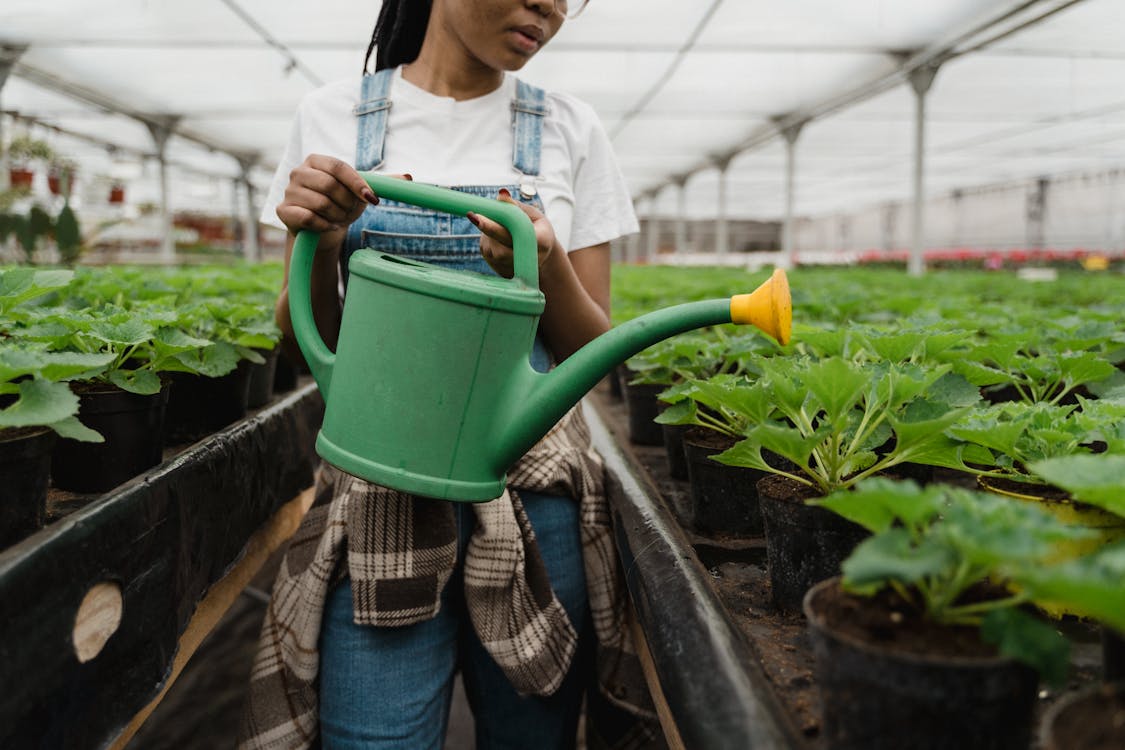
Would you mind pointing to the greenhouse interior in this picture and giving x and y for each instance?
(811, 436)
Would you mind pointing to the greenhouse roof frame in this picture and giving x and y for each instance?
(836, 68)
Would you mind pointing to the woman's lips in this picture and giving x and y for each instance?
(528, 38)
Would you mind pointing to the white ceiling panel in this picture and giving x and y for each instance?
(676, 84)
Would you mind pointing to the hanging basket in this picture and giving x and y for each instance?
(60, 181)
(19, 177)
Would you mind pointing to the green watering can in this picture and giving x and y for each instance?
(431, 390)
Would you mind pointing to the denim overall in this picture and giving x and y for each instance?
(391, 687)
(433, 236)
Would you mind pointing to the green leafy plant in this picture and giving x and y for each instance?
(1089, 586)
(1097, 480)
(840, 421)
(141, 342)
(934, 545)
(20, 285)
(728, 404)
(68, 235)
(43, 399)
(1017, 434)
(24, 149)
(1047, 371)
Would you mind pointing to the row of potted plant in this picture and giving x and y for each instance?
(117, 363)
(902, 394)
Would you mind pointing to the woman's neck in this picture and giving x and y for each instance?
(442, 78)
(445, 67)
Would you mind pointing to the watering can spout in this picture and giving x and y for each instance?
(768, 308)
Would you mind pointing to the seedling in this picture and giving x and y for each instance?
(933, 544)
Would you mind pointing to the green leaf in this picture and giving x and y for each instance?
(894, 556)
(954, 390)
(1094, 479)
(40, 403)
(143, 382)
(1090, 585)
(679, 413)
(130, 332)
(993, 531)
(878, 503)
(1084, 368)
(836, 385)
(1026, 639)
(746, 453)
(18, 285)
(214, 361)
(74, 430)
(54, 366)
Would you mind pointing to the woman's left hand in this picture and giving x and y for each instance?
(496, 241)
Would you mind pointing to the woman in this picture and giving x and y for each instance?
(383, 597)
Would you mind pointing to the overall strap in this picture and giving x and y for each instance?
(528, 110)
(374, 104)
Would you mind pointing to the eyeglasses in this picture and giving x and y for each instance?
(570, 8)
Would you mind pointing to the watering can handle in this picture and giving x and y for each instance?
(525, 251)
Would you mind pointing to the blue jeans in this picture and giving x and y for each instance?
(391, 687)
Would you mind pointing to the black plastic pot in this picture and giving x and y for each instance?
(1113, 655)
(616, 377)
(674, 446)
(878, 699)
(133, 428)
(724, 499)
(641, 403)
(1092, 719)
(199, 406)
(285, 374)
(25, 465)
(805, 544)
(260, 390)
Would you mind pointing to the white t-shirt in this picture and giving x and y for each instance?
(442, 141)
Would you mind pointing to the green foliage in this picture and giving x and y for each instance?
(1092, 479)
(729, 404)
(1018, 434)
(1090, 586)
(934, 545)
(19, 285)
(145, 321)
(68, 235)
(840, 421)
(42, 398)
(1047, 372)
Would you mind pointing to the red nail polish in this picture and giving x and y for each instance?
(473, 218)
(370, 197)
(504, 192)
(408, 176)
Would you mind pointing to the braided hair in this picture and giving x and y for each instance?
(398, 34)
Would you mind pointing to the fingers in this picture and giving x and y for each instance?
(325, 194)
(491, 229)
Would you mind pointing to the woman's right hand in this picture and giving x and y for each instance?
(324, 195)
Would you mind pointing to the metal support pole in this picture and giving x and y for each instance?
(681, 217)
(9, 54)
(1037, 215)
(250, 246)
(653, 238)
(788, 232)
(920, 80)
(161, 131)
(722, 225)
